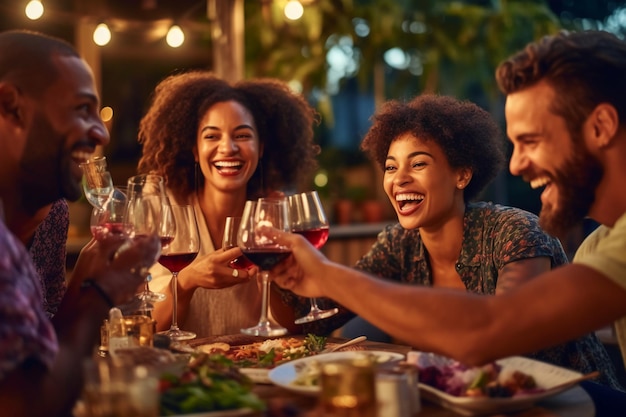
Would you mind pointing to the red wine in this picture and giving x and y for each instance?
(103, 230)
(266, 258)
(165, 241)
(177, 261)
(241, 263)
(317, 237)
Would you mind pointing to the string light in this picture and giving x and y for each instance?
(293, 10)
(102, 34)
(106, 114)
(175, 36)
(34, 9)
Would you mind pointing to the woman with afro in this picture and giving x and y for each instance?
(217, 145)
(438, 154)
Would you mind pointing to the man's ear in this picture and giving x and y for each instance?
(10, 103)
(602, 125)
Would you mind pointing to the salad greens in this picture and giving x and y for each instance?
(314, 344)
(210, 383)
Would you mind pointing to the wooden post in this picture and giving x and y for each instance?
(227, 29)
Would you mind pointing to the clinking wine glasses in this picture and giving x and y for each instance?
(264, 252)
(307, 217)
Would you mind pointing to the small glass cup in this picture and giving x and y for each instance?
(348, 388)
(114, 390)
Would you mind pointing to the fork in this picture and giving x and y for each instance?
(345, 344)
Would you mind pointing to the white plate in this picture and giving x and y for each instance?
(257, 375)
(224, 413)
(553, 379)
(283, 375)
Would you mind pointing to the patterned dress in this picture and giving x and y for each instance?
(494, 235)
(26, 332)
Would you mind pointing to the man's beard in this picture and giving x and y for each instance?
(576, 184)
(45, 167)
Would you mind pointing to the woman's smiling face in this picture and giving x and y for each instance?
(228, 148)
(423, 188)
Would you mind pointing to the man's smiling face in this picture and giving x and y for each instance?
(547, 155)
(63, 132)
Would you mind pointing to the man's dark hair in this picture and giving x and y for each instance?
(584, 69)
(26, 59)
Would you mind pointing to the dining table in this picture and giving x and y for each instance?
(282, 402)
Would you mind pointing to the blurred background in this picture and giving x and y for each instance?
(345, 56)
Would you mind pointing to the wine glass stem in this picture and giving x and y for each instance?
(314, 306)
(265, 297)
(174, 284)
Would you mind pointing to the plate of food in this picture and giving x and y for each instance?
(506, 385)
(302, 375)
(257, 358)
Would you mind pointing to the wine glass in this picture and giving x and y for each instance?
(141, 186)
(97, 181)
(307, 217)
(109, 220)
(263, 251)
(229, 240)
(179, 253)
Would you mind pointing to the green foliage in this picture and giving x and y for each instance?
(456, 44)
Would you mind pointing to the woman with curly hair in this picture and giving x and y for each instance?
(438, 154)
(218, 145)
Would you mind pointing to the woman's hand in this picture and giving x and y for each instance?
(212, 271)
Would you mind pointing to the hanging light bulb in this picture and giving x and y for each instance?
(102, 34)
(34, 9)
(175, 36)
(293, 10)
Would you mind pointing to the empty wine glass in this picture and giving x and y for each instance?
(307, 217)
(144, 213)
(264, 252)
(142, 186)
(179, 253)
(229, 240)
(97, 181)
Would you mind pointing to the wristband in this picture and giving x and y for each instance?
(90, 283)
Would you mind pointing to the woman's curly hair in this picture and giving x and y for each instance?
(467, 134)
(284, 122)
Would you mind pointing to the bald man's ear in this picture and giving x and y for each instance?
(10, 102)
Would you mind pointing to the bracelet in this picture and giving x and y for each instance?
(90, 283)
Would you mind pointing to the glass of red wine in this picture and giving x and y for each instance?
(263, 251)
(109, 220)
(178, 254)
(229, 241)
(150, 189)
(307, 218)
